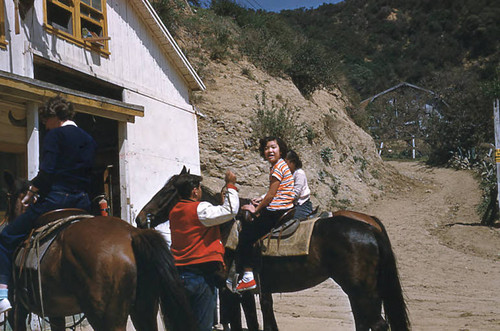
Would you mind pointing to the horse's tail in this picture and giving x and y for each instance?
(155, 267)
(390, 288)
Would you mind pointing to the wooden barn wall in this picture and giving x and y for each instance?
(154, 147)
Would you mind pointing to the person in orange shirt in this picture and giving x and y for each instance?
(196, 242)
(278, 200)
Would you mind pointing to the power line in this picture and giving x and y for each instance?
(258, 4)
(248, 2)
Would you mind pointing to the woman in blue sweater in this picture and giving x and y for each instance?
(63, 181)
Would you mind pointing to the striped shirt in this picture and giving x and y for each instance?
(285, 195)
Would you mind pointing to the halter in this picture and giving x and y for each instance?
(151, 216)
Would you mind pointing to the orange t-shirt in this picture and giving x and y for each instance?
(192, 242)
(285, 195)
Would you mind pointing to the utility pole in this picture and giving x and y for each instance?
(496, 113)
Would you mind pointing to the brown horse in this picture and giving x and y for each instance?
(105, 268)
(351, 248)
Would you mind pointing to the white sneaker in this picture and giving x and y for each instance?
(5, 305)
(4, 308)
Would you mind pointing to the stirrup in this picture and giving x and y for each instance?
(232, 282)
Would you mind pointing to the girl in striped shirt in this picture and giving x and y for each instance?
(278, 200)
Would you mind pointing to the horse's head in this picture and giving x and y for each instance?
(16, 190)
(156, 211)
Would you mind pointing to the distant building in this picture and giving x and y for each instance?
(402, 113)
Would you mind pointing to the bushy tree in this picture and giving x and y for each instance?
(465, 122)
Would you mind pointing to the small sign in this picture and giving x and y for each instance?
(497, 156)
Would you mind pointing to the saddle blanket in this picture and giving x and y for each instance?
(31, 253)
(294, 245)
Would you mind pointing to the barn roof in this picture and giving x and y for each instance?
(365, 102)
(168, 44)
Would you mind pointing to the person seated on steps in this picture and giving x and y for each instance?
(303, 205)
(63, 181)
(277, 201)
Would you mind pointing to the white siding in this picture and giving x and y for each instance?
(156, 146)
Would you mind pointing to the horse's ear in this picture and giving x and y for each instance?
(9, 179)
(184, 170)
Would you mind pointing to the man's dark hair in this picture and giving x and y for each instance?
(293, 157)
(185, 184)
(283, 147)
(57, 107)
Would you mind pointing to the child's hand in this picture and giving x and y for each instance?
(249, 207)
(256, 201)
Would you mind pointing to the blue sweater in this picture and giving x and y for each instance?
(67, 160)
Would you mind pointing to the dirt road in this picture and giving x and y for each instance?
(449, 267)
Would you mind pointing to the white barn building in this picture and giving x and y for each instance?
(126, 76)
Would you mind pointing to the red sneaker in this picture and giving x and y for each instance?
(245, 286)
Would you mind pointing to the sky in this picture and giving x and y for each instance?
(278, 5)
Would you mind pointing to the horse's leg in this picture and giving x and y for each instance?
(266, 303)
(250, 310)
(145, 309)
(359, 280)
(17, 317)
(57, 323)
(230, 314)
(366, 308)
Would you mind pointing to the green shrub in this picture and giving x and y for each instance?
(276, 120)
(310, 135)
(265, 51)
(326, 155)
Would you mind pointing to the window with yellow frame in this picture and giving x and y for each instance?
(80, 21)
(3, 42)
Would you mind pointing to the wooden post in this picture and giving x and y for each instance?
(413, 147)
(496, 113)
(16, 17)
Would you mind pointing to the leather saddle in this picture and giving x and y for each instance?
(287, 225)
(57, 214)
(46, 227)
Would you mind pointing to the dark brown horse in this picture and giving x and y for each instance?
(351, 248)
(107, 269)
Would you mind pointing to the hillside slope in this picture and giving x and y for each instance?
(355, 173)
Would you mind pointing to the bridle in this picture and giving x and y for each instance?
(151, 216)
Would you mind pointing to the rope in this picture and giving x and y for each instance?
(40, 281)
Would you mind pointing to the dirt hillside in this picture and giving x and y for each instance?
(449, 266)
(351, 174)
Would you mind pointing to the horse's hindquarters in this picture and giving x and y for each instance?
(90, 268)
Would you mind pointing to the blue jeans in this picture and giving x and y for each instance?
(14, 233)
(202, 298)
(250, 233)
(304, 210)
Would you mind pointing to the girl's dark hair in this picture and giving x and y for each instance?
(283, 147)
(57, 107)
(185, 184)
(293, 157)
